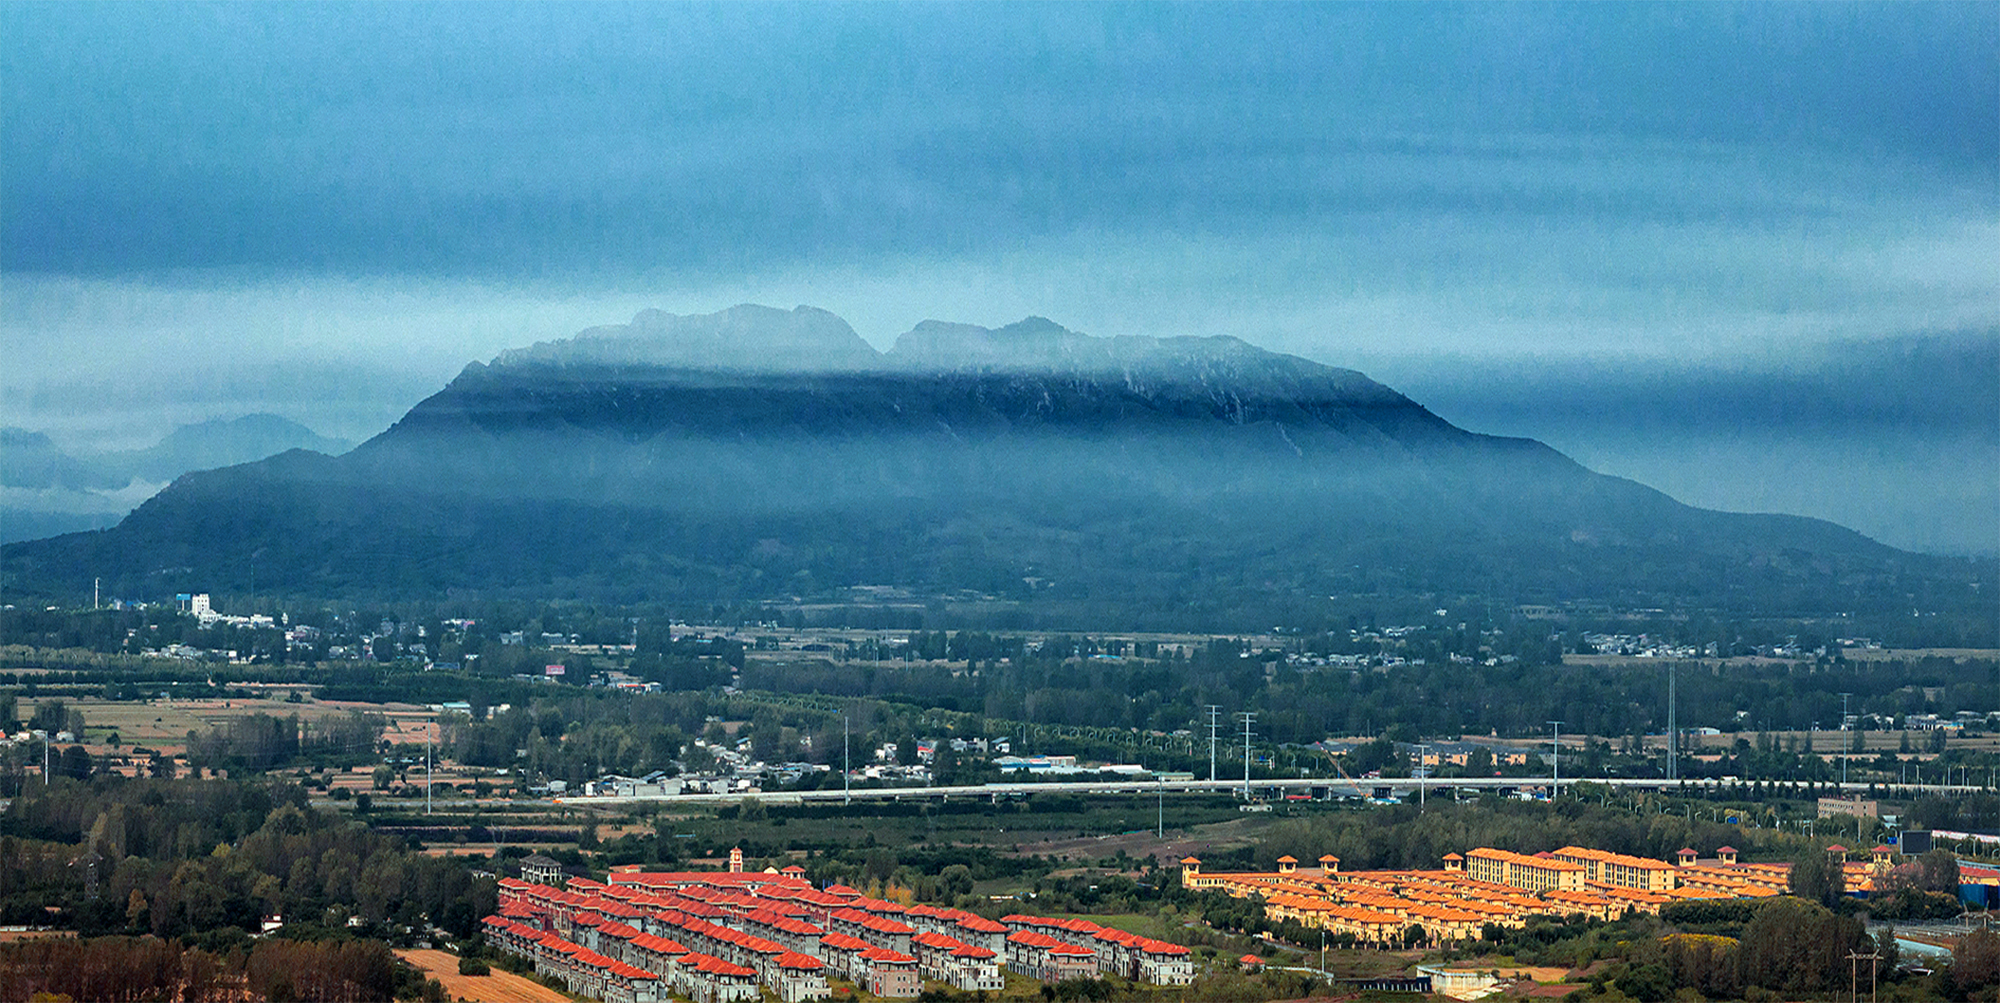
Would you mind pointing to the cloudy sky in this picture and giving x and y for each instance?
(1748, 254)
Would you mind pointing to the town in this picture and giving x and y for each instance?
(666, 809)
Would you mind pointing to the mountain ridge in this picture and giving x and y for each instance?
(1148, 477)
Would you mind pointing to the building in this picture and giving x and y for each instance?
(542, 870)
(727, 936)
(1831, 807)
(1605, 867)
(1537, 873)
(1483, 887)
(890, 974)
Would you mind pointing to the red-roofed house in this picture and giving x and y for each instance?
(963, 966)
(876, 930)
(981, 932)
(707, 979)
(975, 969)
(843, 954)
(800, 977)
(890, 973)
(1040, 956)
(631, 984)
(655, 954)
(1163, 963)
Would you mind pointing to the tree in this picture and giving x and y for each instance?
(1796, 946)
(51, 716)
(1646, 983)
(1975, 962)
(1480, 762)
(1940, 871)
(75, 763)
(1817, 878)
(1891, 952)
(956, 880)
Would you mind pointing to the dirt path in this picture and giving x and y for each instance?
(499, 987)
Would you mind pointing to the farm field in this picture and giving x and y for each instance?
(164, 724)
(499, 987)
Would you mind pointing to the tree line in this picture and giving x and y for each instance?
(121, 969)
(175, 858)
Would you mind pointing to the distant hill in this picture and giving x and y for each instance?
(217, 443)
(760, 454)
(45, 490)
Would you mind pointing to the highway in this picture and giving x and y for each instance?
(1260, 790)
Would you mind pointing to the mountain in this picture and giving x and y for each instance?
(32, 461)
(217, 443)
(759, 454)
(45, 490)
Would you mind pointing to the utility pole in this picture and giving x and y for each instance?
(1673, 725)
(1160, 831)
(1423, 773)
(846, 769)
(95, 585)
(1854, 959)
(1555, 761)
(429, 770)
(1845, 754)
(1214, 733)
(1247, 717)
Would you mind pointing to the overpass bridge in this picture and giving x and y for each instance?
(1306, 788)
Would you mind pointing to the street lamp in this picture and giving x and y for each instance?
(1422, 771)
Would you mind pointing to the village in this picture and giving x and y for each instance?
(717, 937)
(1490, 887)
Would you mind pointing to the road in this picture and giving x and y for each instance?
(1259, 790)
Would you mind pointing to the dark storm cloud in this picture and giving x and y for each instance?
(1629, 229)
(545, 141)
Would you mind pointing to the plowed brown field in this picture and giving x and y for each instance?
(499, 987)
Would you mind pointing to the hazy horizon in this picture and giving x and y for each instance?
(1745, 254)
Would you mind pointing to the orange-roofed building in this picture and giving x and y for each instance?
(1535, 873)
(1609, 868)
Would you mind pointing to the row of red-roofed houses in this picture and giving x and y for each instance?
(1040, 956)
(959, 925)
(1112, 952)
(584, 971)
(764, 924)
(700, 977)
(879, 970)
(722, 965)
(958, 964)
